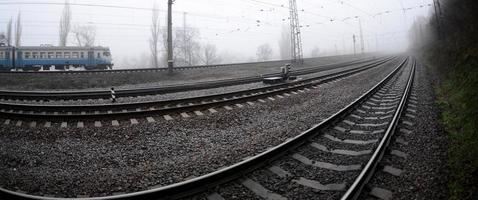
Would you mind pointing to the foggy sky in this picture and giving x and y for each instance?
(237, 27)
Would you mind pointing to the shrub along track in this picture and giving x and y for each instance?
(367, 123)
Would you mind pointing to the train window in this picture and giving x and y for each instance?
(1, 55)
(42, 54)
(50, 55)
(27, 55)
(67, 54)
(82, 54)
(98, 55)
(58, 55)
(35, 55)
(106, 53)
(74, 55)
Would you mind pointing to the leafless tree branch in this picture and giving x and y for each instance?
(65, 24)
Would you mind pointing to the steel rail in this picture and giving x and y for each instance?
(168, 106)
(97, 94)
(148, 69)
(368, 171)
(213, 179)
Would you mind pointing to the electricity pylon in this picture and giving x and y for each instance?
(296, 40)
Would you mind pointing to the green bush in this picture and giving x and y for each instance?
(458, 98)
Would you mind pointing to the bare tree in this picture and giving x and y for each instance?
(186, 47)
(284, 43)
(3, 39)
(153, 41)
(85, 35)
(65, 24)
(18, 30)
(189, 46)
(315, 52)
(9, 33)
(210, 54)
(264, 52)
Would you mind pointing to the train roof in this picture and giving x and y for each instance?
(56, 48)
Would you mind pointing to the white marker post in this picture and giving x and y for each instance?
(113, 95)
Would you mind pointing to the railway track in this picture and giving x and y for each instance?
(68, 113)
(105, 94)
(332, 160)
(149, 69)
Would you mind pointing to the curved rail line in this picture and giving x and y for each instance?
(238, 170)
(105, 94)
(149, 69)
(64, 112)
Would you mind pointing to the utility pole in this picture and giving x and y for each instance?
(355, 49)
(376, 43)
(361, 37)
(186, 60)
(170, 37)
(296, 40)
(344, 49)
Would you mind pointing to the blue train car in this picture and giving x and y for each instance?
(44, 57)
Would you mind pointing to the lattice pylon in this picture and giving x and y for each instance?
(297, 55)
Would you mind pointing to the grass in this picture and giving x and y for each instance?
(458, 99)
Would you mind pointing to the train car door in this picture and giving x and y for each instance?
(19, 59)
(8, 59)
(91, 59)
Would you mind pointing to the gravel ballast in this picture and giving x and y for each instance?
(179, 95)
(104, 81)
(100, 161)
(425, 172)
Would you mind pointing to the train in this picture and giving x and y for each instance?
(35, 58)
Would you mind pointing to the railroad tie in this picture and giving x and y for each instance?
(33, 124)
(184, 115)
(64, 125)
(347, 141)
(227, 107)
(399, 154)
(279, 171)
(340, 151)
(380, 193)
(260, 191)
(7, 122)
(47, 124)
(198, 113)
(133, 121)
(318, 186)
(114, 123)
(98, 124)
(212, 110)
(19, 123)
(150, 119)
(215, 196)
(401, 141)
(392, 170)
(325, 165)
(408, 123)
(167, 117)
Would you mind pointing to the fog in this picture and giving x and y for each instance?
(236, 27)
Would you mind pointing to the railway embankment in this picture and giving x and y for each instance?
(452, 53)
